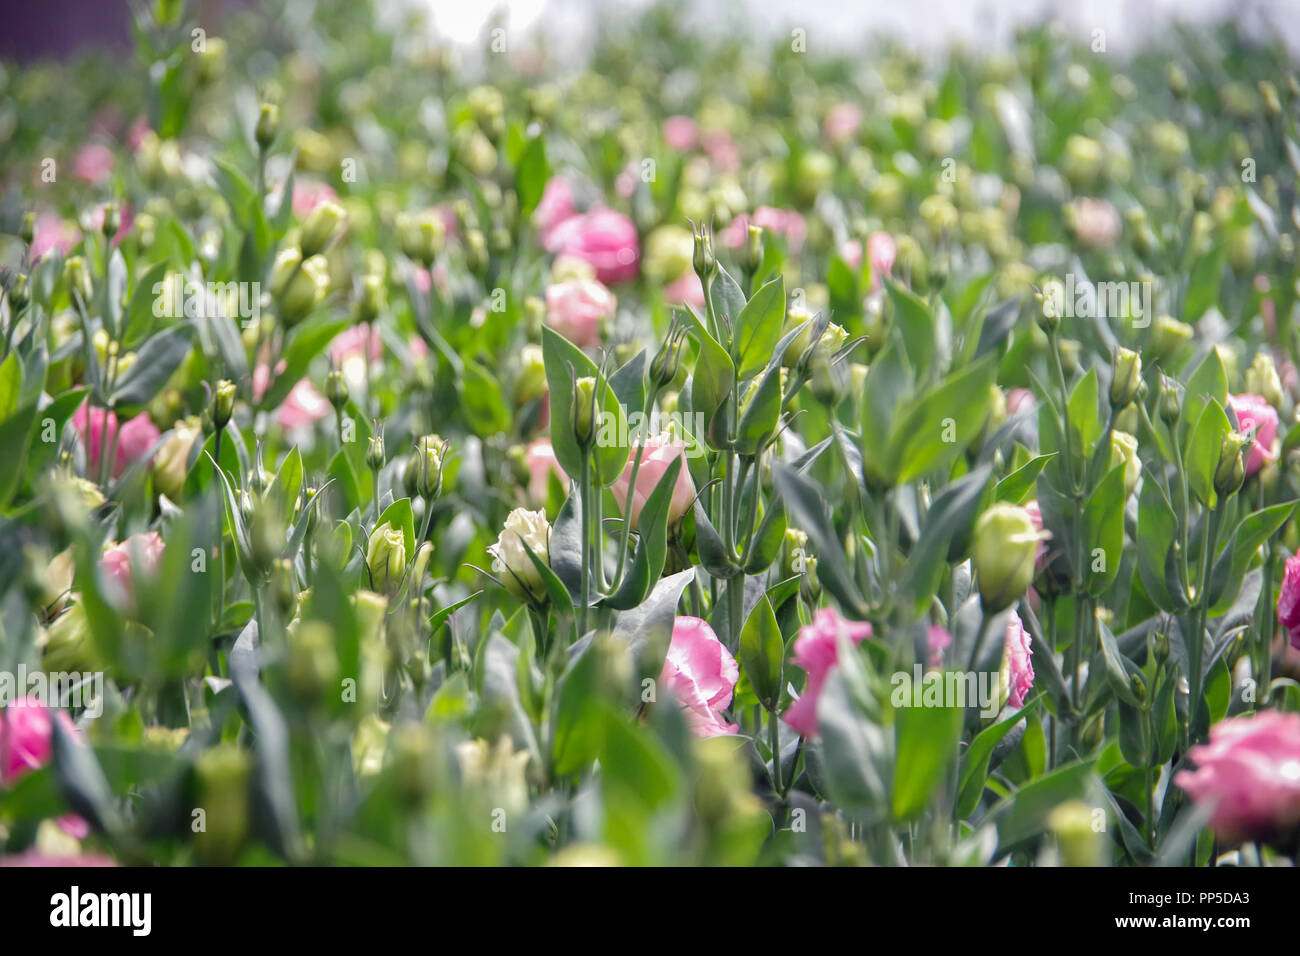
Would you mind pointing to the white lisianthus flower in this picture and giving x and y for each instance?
(510, 559)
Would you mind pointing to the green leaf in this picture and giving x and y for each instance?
(762, 653)
(481, 397)
(1230, 567)
(307, 340)
(400, 516)
(531, 175)
(916, 322)
(1103, 517)
(157, 359)
(565, 362)
(1023, 815)
(758, 328)
(975, 766)
(925, 742)
(940, 426)
(1203, 284)
(1202, 451)
(1018, 487)
(713, 379)
(759, 419)
(1085, 419)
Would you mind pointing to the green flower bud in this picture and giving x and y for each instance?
(336, 389)
(1230, 471)
(373, 299)
(386, 558)
(298, 285)
(223, 774)
(703, 261)
(1081, 843)
(531, 383)
(77, 278)
(1262, 379)
(1124, 450)
(268, 126)
(112, 220)
(1171, 401)
(223, 403)
(1126, 378)
(322, 225)
(666, 363)
(1006, 542)
(1168, 335)
(414, 762)
(212, 61)
(424, 466)
(1083, 162)
(375, 456)
(420, 236)
(794, 553)
(19, 293)
(584, 404)
(313, 664)
(27, 231)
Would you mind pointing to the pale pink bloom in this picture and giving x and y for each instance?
(625, 184)
(659, 453)
(93, 163)
(701, 674)
(782, 222)
(308, 194)
(1020, 670)
(354, 341)
(841, 123)
(816, 650)
(541, 461)
(1254, 412)
(134, 440)
(95, 221)
(605, 239)
(680, 133)
(851, 253)
(1019, 398)
(35, 858)
(136, 133)
(1249, 773)
(138, 554)
(576, 308)
(881, 250)
(303, 406)
(686, 289)
(1096, 222)
(555, 208)
(721, 150)
(416, 348)
(52, 231)
(1036, 515)
(939, 641)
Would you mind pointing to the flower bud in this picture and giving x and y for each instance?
(531, 383)
(112, 220)
(322, 225)
(1171, 401)
(373, 299)
(223, 775)
(386, 558)
(19, 293)
(1006, 541)
(1080, 842)
(171, 462)
(1126, 378)
(1231, 469)
(584, 404)
(664, 366)
(703, 261)
(1262, 379)
(420, 236)
(268, 125)
(223, 403)
(77, 278)
(336, 389)
(375, 456)
(510, 560)
(313, 663)
(298, 285)
(413, 761)
(424, 466)
(27, 231)
(1124, 450)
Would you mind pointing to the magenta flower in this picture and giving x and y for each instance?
(140, 553)
(1249, 772)
(27, 737)
(1288, 600)
(603, 238)
(1254, 411)
(701, 673)
(657, 458)
(938, 640)
(576, 308)
(133, 439)
(1016, 661)
(816, 650)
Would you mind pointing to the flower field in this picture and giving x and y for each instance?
(715, 449)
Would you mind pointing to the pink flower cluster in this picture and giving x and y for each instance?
(816, 650)
(603, 238)
(701, 674)
(98, 428)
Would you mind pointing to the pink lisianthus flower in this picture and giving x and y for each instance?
(138, 554)
(701, 674)
(1254, 412)
(555, 208)
(603, 238)
(97, 429)
(782, 222)
(816, 650)
(721, 150)
(1288, 600)
(1016, 661)
(576, 308)
(686, 289)
(93, 163)
(308, 194)
(303, 406)
(541, 461)
(27, 744)
(881, 251)
(52, 231)
(1249, 772)
(659, 453)
(841, 123)
(680, 133)
(938, 640)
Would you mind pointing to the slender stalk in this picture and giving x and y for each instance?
(584, 492)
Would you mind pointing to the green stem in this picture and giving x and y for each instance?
(584, 492)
